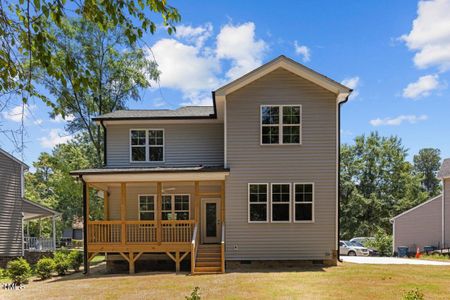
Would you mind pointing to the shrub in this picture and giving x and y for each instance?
(45, 267)
(75, 259)
(382, 243)
(61, 262)
(414, 294)
(195, 294)
(19, 270)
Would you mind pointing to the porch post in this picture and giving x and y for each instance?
(123, 210)
(85, 229)
(106, 205)
(54, 231)
(158, 211)
(197, 202)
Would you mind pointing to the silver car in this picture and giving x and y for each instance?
(351, 249)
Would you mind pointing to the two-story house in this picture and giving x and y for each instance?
(16, 212)
(252, 178)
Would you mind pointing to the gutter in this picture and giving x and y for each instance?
(339, 179)
(104, 143)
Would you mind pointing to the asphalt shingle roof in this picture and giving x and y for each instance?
(150, 170)
(182, 112)
(445, 169)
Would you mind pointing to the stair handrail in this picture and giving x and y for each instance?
(222, 248)
(194, 247)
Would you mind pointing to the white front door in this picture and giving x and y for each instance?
(211, 223)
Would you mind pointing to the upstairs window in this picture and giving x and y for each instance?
(281, 124)
(147, 145)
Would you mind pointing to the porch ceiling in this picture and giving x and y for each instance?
(152, 174)
(32, 210)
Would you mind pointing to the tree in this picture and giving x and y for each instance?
(99, 72)
(52, 185)
(26, 33)
(427, 164)
(376, 184)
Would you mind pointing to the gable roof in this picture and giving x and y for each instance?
(13, 158)
(194, 112)
(444, 172)
(416, 207)
(289, 65)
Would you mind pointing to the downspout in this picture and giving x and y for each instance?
(104, 143)
(339, 181)
(85, 253)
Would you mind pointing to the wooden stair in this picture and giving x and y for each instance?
(208, 260)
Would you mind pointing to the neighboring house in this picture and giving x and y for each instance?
(427, 224)
(252, 178)
(15, 211)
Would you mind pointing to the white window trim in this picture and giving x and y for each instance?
(172, 201)
(154, 207)
(147, 146)
(280, 125)
(313, 202)
(248, 203)
(276, 203)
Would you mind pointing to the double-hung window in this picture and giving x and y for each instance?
(147, 207)
(257, 203)
(304, 202)
(281, 202)
(147, 145)
(281, 124)
(175, 207)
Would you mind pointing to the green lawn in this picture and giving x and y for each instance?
(347, 281)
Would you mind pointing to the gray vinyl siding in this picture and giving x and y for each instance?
(249, 162)
(185, 145)
(420, 227)
(447, 212)
(10, 207)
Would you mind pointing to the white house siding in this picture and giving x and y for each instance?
(185, 145)
(420, 227)
(249, 162)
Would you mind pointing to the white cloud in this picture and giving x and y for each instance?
(15, 113)
(189, 66)
(353, 83)
(430, 35)
(303, 51)
(38, 122)
(185, 68)
(197, 35)
(412, 119)
(422, 87)
(239, 44)
(59, 119)
(55, 137)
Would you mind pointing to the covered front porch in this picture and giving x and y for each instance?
(135, 214)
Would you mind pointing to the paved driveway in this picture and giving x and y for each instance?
(391, 261)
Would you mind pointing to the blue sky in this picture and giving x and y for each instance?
(395, 54)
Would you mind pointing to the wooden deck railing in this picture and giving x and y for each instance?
(140, 232)
(194, 247)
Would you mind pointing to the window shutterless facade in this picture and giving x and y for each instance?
(304, 202)
(147, 205)
(175, 207)
(280, 202)
(258, 205)
(146, 145)
(281, 124)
